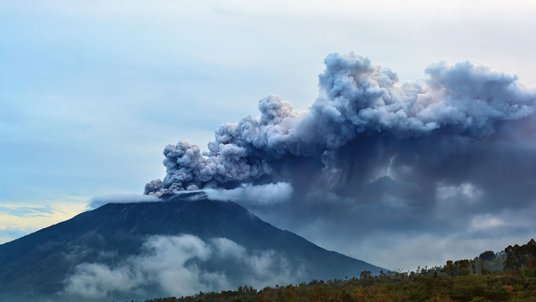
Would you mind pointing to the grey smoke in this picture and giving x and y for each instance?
(357, 101)
(374, 158)
(181, 265)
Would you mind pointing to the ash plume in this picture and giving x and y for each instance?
(363, 119)
(374, 163)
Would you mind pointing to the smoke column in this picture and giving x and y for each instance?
(363, 120)
(376, 167)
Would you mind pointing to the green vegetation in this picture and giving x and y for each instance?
(506, 276)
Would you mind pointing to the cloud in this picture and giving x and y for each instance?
(181, 265)
(99, 201)
(485, 222)
(19, 219)
(93, 280)
(253, 194)
(464, 191)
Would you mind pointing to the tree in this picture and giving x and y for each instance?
(365, 275)
(487, 256)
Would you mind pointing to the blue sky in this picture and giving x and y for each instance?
(91, 91)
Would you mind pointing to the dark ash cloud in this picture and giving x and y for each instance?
(358, 101)
(376, 156)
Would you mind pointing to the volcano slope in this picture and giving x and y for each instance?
(179, 246)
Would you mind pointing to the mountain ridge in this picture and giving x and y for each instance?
(40, 263)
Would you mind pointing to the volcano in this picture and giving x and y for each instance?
(179, 246)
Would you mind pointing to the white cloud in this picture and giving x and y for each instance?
(17, 219)
(254, 194)
(98, 201)
(485, 222)
(465, 192)
(95, 280)
(176, 265)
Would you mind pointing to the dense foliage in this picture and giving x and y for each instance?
(506, 276)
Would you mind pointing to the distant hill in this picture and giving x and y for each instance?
(180, 246)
